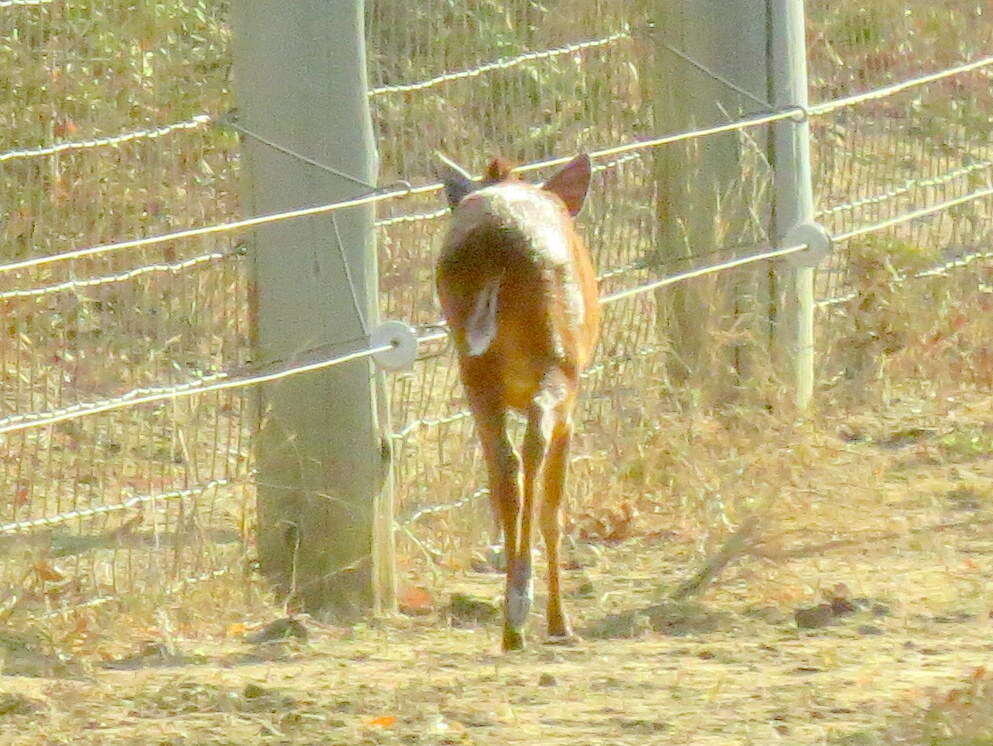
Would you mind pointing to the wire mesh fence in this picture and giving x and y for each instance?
(107, 116)
(114, 123)
(925, 146)
(529, 82)
(874, 160)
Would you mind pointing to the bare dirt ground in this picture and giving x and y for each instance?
(856, 612)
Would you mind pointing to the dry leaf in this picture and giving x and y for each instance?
(383, 721)
(415, 600)
(47, 572)
(21, 495)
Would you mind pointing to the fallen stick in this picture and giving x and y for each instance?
(734, 546)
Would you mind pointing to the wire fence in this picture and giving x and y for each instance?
(921, 150)
(126, 361)
(109, 114)
(857, 82)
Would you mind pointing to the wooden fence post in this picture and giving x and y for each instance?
(321, 457)
(794, 200)
(711, 190)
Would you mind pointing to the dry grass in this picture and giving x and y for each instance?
(885, 508)
(894, 508)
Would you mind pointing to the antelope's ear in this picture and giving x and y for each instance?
(571, 183)
(457, 182)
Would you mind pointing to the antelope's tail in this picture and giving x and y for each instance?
(481, 323)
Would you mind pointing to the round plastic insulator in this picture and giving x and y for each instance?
(403, 345)
(817, 240)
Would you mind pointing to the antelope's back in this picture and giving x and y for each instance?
(520, 239)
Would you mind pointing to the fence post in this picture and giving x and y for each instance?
(794, 200)
(320, 453)
(710, 191)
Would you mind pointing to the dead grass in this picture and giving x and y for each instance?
(888, 510)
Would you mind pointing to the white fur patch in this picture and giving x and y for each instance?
(575, 301)
(481, 326)
(519, 602)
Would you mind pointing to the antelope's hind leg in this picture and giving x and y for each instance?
(520, 582)
(503, 468)
(556, 463)
(546, 453)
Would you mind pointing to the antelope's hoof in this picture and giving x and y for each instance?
(513, 640)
